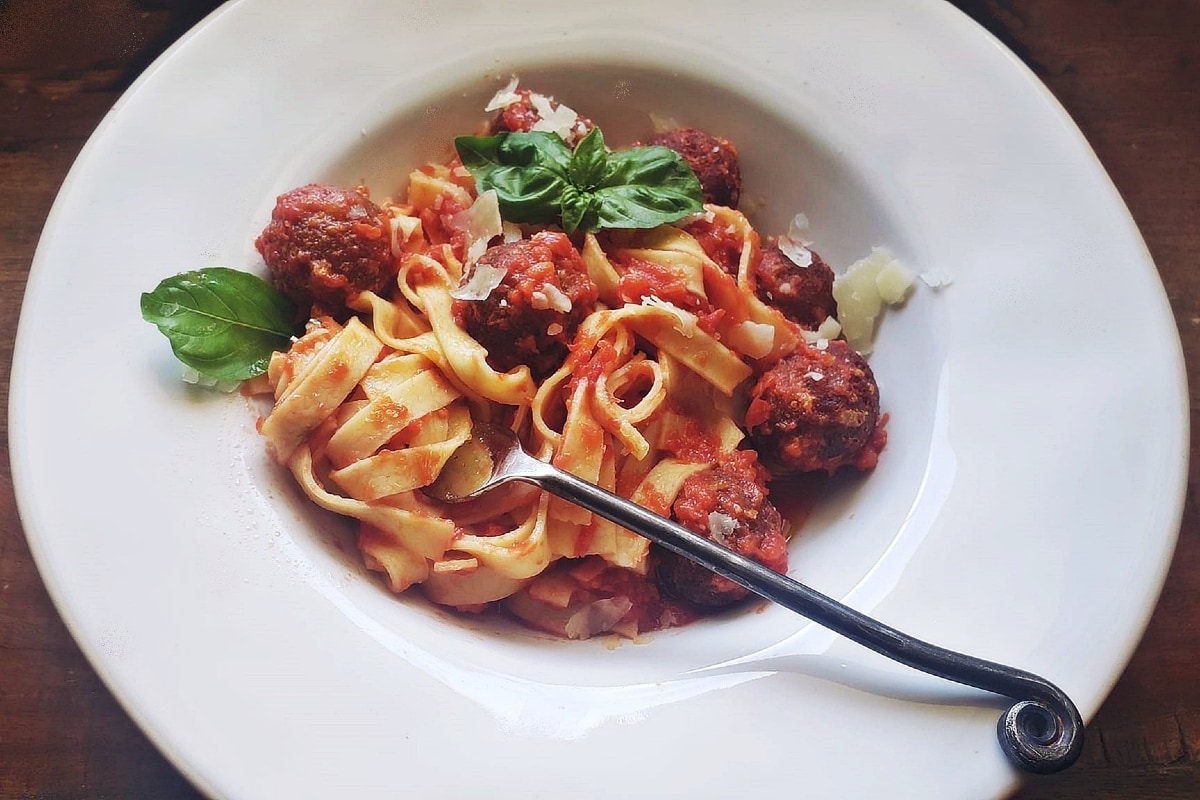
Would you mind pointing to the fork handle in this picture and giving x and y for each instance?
(1042, 732)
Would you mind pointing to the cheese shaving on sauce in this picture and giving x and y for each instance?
(402, 228)
(661, 124)
(597, 617)
(511, 232)
(483, 279)
(481, 223)
(827, 330)
(504, 98)
(721, 526)
(798, 254)
(796, 243)
(562, 120)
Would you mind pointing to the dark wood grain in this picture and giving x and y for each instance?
(1129, 74)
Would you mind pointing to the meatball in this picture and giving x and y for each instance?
(532, 108)
(728, 504)
(324, 245)
(817, 409)
(803, 294)
(713, 159)
(532, 315)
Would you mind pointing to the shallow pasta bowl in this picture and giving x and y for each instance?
(1026, 475)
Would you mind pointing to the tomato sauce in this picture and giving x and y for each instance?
(722, 245)
(641, 279)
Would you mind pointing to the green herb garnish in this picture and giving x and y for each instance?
(538, 179)
(221, 322)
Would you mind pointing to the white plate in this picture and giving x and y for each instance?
(1025, 510)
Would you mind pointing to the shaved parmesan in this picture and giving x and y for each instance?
(481, 223)
(827, 330)
(661, 124)
(796, 243)
(721, 526)
(511, 231)
(505, 97)
(894, 282)
(483, 278)
(597, 617)
(561, 120)
(798, 230)
(936, 278)
(402, 228)
(797, 253)
(197, 378)
(862, 292)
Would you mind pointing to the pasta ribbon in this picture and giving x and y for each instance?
(519, 553)
(392, 322)
(679, 333)
(430, 283)
(400, 536)
(414, 467)
(749, 325)
(320, 387)
(601, 270)
(388, 413)
(673, 249)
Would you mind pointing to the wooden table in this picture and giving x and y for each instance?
(1128, 71)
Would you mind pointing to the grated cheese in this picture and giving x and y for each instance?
(721, 526)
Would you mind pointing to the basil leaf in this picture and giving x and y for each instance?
(537, 179)
(577, 210)
(589, 163)
(528, 172)
(221, 322)
(646, 187)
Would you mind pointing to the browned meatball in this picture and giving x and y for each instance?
(325, 244)
(816, 410)
(532, 315)
(728, 504)
(713, 159)
(803, 294)
(524, 114)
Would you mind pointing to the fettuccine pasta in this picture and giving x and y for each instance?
(628, 357)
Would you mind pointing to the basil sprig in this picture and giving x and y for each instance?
(222, 322)
(538, 179)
